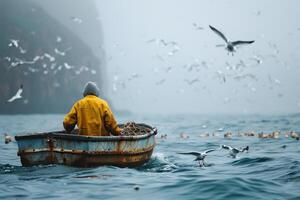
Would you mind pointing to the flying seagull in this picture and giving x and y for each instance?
(17, 95)
(76, 19)
(197, 27)
(234, 151)
(230, 46)
(199, 156)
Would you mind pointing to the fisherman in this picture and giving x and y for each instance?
(92, 115)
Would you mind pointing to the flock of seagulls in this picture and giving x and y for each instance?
(239, 72)
(173, 47)
(232, 151)
(44, 63)
(39, 62)
(46, 60)
(273, 135)
(200, 156)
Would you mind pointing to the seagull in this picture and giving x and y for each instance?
(294, 135)
(184, 136)
(257, 59)
(58, 39)
(151, 40)
(164, 42)
(191, 82)
(51, 58)
(62, 53)
(17, 95)
(172, 43)
(7, 58)
(67, 66)
(59, 52)
(200, 156)
(230, 46)
(168, 69)
(133, 76)
(77, 20)
(197, 27)
(221, 76)
(234, 151)
(161, 81)
(194, 65)
(14, 43)
(7, 138)
(22, 51)
(245, 76)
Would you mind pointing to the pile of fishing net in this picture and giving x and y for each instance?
(132, 128)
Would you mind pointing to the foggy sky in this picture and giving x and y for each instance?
(136, 74)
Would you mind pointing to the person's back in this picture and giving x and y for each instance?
(92, 115)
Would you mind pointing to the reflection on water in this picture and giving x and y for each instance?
(270, 170)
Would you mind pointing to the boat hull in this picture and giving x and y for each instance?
(85, 151)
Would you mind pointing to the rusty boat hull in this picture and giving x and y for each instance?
(85, 151)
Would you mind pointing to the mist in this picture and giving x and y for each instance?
(50, 52)
(190, 74)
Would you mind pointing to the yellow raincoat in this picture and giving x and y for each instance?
(93, 117)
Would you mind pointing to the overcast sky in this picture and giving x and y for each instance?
(147, 76)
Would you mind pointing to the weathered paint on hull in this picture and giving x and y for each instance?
(85, 151)
(86, 160)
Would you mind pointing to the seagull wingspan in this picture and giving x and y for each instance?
(218, 33)
(245, 149)
(239, 42)
(11, 99)
(209, 150)
(191, 153)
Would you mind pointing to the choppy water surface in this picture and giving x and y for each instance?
(270, 170)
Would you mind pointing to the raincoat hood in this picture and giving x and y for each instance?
(91, 88)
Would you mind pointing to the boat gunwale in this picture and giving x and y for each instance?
(63, 135)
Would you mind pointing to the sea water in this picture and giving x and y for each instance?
(269, 170)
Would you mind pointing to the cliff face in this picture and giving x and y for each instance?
(46, 56)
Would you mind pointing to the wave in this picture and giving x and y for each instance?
(251, 161)
(292, 172)
(158, 163)
(38, 172)
(7, 168)
(222, 188)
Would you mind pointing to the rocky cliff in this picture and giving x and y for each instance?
(47, 56)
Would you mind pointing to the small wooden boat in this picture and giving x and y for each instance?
(86, 151)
